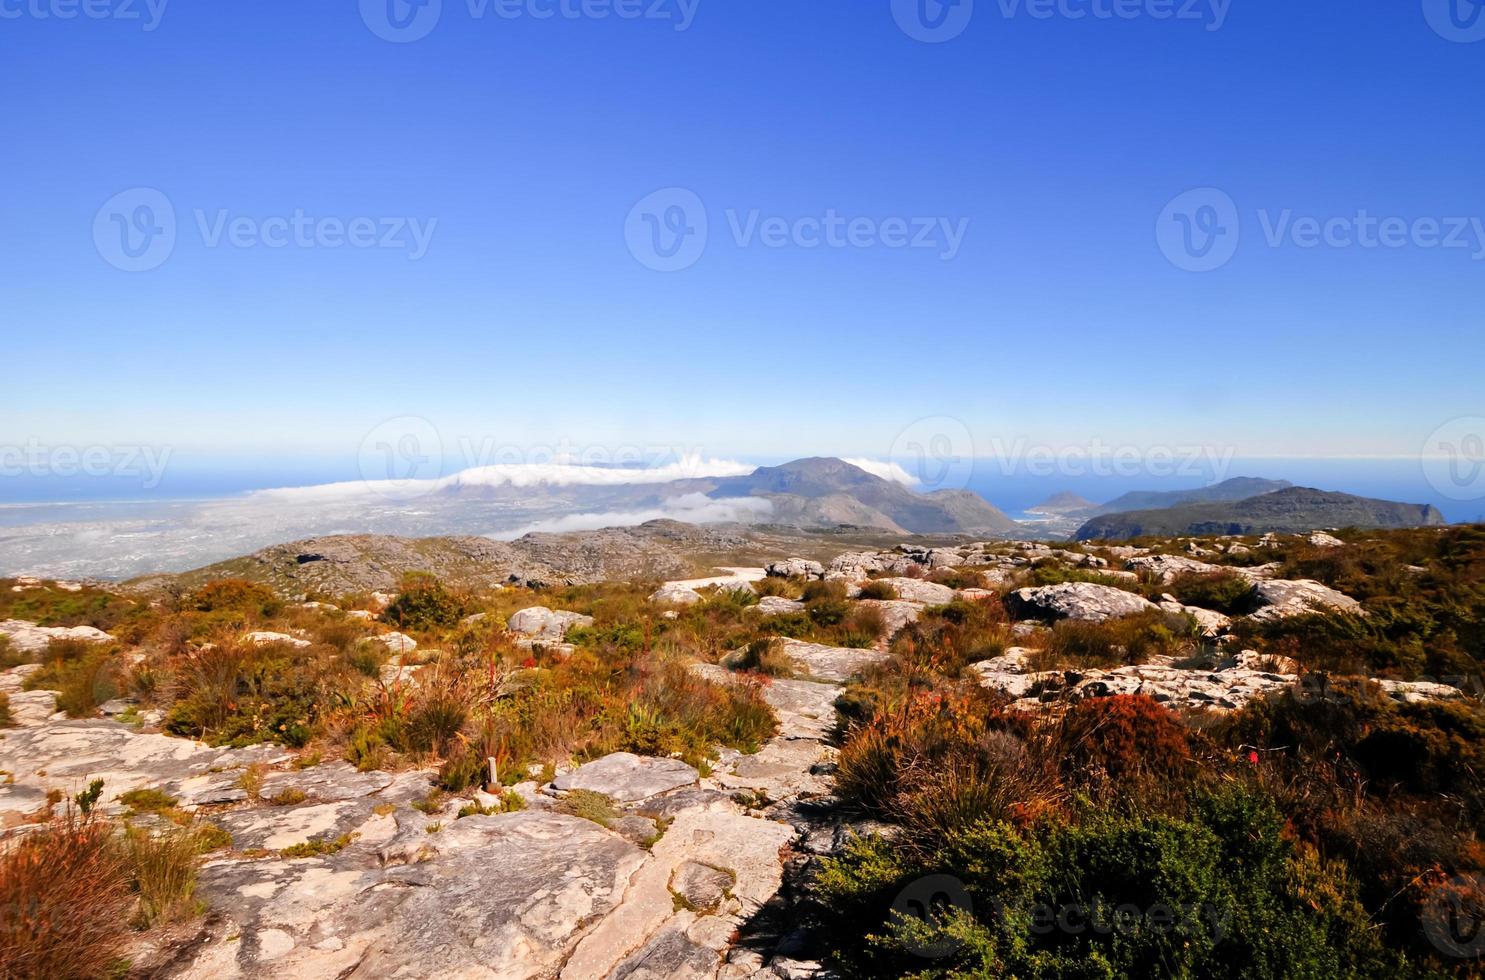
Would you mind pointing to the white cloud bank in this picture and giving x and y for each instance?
(886, 469)
(520, 475)
(693, 508)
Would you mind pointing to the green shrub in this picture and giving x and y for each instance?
(589, 805)
(1117, 642)
(878, 590)
(424, 604)
(1221, 893)
(7, 720)
(1226, 592)
(248, 599)
(163, 872)
(147, 800)
(765, 656)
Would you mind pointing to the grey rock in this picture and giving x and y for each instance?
(1077, 600)
(30, 638)
(1282, 598)
(774, 605)
(543, 624)
(627, 777)
(795, 567)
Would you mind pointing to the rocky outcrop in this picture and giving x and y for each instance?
(628, 778)
(545, 625)
(1282, 598)
(1227, 687)
(826, 663)
(795, 568)
(1076, 600)
(264, 638)
(675, 595)
(773, 605)
(30, 638)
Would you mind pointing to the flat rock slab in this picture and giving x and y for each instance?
(30, 638)
(836, 664)
(329, 782)
(274, 828)
(1085, 601)
(13, 679)
(628, 778)
(507, 895)
(31, 708)
(746, 849)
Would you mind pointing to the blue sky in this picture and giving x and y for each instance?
(1054, 143)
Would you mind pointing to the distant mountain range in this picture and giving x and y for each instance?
(1291, 510)
(824, 492)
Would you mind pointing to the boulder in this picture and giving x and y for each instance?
(29, 638)
(774, 605)
(1077, 600)
(1282, 598)
(628, 778)
(545, 625)
(263, 638)
(397, 643)
(896, 613)
(676, 595)
(795, 567)
(1165, 568)
(1322, 540)
(917, 590)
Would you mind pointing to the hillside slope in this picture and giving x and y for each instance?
(1291, 511)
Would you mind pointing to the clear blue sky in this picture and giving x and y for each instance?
(529, 140)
